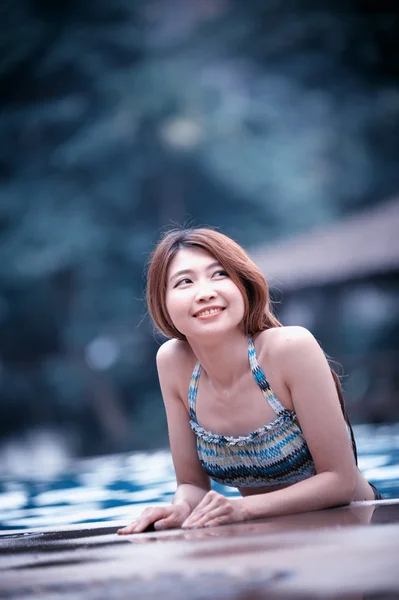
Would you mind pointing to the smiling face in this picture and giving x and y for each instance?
(201, 298)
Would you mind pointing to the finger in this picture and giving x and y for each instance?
(210, 516)
(147, 517)
(150, 518)
(193, 519)
(198, 520)
(174, 518)
(223, 520)
(209, 501)
(169, 523)
(206, 500)
(214, 513)
(197, 515)
(128, 529)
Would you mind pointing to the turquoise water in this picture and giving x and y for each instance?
(119, 487)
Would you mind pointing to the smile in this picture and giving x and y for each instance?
(207, 312)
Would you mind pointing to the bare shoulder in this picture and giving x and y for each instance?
(294, 351)
(167, 352)
(281, 341)
(175, 363)
(173, 352)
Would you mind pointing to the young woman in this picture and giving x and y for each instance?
(249, 403)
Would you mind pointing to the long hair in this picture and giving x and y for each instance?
(258, 314)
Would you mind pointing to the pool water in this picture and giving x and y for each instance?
(119, 487)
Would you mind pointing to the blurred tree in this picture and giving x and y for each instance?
(119, 118)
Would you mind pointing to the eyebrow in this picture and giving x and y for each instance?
(215, 263)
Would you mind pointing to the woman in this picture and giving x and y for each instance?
(249, 403)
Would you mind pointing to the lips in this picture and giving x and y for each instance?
(209, 310)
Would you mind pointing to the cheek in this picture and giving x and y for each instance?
(175, 305)
(169, 304)
(242, 307)
(236, 296)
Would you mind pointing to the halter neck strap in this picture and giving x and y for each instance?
(258, 374)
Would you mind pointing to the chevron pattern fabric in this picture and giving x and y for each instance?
(275, 454)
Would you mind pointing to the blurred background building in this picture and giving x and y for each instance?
(342, 282)
(276, 122)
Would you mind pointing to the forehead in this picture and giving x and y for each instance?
(190, 258)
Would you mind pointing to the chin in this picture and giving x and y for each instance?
(213, 330)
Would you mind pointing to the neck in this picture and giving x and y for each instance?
(224, 360)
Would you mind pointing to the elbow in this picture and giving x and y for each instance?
(339, 488)
(346, 497)
(345, 490)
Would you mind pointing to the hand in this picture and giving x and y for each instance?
(162, 517)
(215, 509)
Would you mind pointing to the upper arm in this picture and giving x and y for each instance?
(308, 377)
(182, 439)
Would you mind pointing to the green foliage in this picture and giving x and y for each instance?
(119, 118)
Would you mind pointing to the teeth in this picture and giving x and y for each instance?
(209, 312)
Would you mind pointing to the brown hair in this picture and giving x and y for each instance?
(244, 273)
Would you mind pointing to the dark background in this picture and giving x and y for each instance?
(266, 119)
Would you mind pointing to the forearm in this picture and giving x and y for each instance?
(188, 493)
(324, 490)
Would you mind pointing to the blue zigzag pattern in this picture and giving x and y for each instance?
(272, 455)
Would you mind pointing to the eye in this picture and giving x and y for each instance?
(183, 281)
(221, 273)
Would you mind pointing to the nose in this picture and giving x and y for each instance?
(205, 292)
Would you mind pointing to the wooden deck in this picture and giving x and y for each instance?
(350, 553)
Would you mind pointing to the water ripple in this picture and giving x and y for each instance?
(118, 487)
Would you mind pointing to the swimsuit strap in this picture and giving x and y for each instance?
(192, 390)
(262, 382)
(256, 372)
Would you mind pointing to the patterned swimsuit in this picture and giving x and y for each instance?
(275, 454)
